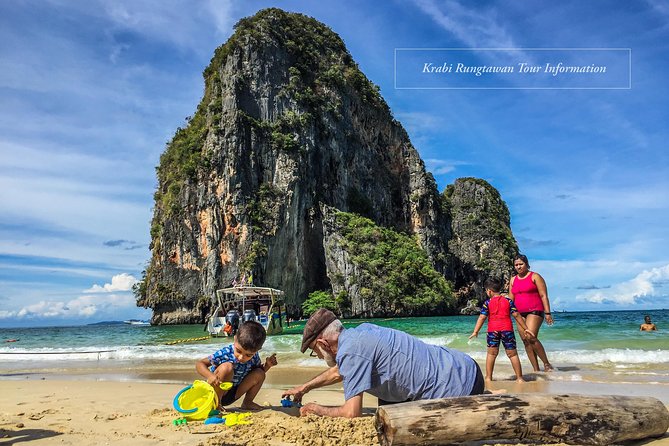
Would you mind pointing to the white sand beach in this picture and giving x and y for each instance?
(87, 409)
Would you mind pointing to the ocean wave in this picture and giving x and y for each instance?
(603, 380)
(618, 358)
(610, 355)
(287, 349)
(147, 353)
(107, 353)
(444, 341)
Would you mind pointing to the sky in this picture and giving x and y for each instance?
(91, 91)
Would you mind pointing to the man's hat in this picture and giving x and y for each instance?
(315, 325)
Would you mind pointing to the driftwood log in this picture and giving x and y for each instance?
(571, 419)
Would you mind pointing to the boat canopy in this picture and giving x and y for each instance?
(249, 294)
(250, 291)
(260, 304)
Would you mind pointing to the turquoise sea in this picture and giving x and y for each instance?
(585, 346)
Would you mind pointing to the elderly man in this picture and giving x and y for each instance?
(389, 364)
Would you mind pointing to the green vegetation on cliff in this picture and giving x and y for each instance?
(320, 66)
(481, 217)
(183, 159)
(316, 300)
(396, 274)
(319, 59)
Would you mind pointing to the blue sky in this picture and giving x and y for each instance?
(90, 92)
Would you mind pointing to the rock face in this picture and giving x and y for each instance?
(288, 123)
(376, 271)
(482, 244)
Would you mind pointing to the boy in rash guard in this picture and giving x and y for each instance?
(240, 364)
(498, 310)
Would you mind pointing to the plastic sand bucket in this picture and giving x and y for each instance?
(196, 401)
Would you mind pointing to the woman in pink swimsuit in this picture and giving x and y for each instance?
(528, 292)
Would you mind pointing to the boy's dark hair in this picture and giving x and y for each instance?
(251, 336)
(493, 284)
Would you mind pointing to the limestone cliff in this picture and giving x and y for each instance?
(482, 243)
(287, 124)
(376, 271)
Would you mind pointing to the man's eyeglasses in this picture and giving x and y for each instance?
(313, 354)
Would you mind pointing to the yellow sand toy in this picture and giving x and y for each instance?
(197, 400)
(233, 419)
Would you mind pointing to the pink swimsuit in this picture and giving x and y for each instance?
(526, 295)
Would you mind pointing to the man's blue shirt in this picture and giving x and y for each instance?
(395, 366)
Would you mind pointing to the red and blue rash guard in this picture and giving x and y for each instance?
(499, 310)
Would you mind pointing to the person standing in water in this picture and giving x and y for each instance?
(647, 325)
(528, 292)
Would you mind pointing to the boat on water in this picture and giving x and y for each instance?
(136, 322)
(238, 304)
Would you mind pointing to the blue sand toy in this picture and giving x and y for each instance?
(214, 420)
(287, 402)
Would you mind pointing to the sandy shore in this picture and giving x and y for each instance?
(82, 409)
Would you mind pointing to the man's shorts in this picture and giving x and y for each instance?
(507, 338)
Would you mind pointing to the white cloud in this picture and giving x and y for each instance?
(81, 307)
(659, 6)
(116, 300)
(441, 167)
(420, 122)
(61, 203)
(43, 309)
(120, 282)
(474, 28)
(629, 292)
(221, 13)
(174, 21)
(613, 200)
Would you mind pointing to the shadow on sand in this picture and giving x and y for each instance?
(8, 437)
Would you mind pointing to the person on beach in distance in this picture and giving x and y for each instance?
(647, 325)
(498, 310)
(389, 364)
(238, 363)
(528, 292)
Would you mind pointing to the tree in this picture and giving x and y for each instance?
(318, 299)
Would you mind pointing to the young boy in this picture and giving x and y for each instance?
(238, 363)
(500, 309)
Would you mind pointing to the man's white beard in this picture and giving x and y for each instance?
(329, 359)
